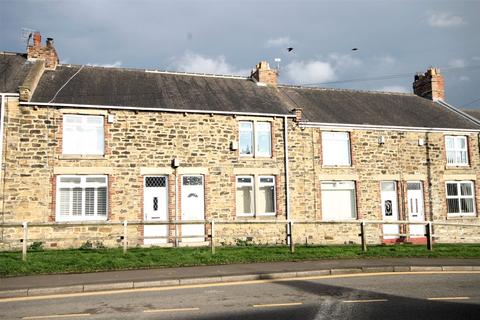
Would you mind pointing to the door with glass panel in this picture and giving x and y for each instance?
(193, 208)
(415, 208)
(155, 208)
(389, 204)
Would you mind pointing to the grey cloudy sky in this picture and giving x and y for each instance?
(229, 37)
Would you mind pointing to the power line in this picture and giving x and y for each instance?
(471, 102)
(386, 77)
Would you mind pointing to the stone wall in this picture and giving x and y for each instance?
(137, 143)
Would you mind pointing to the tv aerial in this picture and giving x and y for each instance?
(278, 60)
(26, 34)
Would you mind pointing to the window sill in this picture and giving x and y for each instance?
(256, 158)
(258, 216)
(469, 217)
(82, 157)
(80, 220)
(340, 166)
(459, 166)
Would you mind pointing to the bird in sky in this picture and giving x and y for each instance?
(354, 49)
(290, 49)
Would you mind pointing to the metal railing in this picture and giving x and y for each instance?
(211, 237)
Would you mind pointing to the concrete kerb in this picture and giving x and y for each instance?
(224, 279)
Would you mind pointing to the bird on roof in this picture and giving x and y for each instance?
(290, 49)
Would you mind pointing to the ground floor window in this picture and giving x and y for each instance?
(460, 198)
(255, 195)
(338, 200)
(81, 197)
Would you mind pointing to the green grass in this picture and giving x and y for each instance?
(69, 261)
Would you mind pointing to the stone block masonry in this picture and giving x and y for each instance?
(142, 143)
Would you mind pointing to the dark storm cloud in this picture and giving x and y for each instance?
(393, 37)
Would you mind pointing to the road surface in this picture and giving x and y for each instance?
(366, 296)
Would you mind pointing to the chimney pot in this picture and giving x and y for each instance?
(49, 42)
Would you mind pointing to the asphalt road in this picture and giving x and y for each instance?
(405, 296)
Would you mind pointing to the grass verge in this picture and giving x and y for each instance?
(91, 260)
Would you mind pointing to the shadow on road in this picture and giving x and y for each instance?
(330, 306)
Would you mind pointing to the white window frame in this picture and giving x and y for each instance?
(347, 185)
(239, 184)
(256, 184)
(459, 197)
(266, 184)
(255, 133)
(77, 140)
(457, 151)
(83, 185)
(326, 160)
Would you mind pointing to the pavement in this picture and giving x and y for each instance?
(130, 279)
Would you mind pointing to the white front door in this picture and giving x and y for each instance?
(155, 208)
(389, 208)
(193, 207)
(415, 208)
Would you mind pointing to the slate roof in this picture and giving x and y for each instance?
(138, 88)
(373, 108)
(13, 70)
(146, 89)
(473, 112)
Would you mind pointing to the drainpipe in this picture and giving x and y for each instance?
(176, 207)
(287, 184)
(2, 115)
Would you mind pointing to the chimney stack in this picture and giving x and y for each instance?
(37, 39)
(430, 85)
(263, 74)
(46, 53)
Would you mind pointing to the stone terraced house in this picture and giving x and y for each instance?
(86, 143)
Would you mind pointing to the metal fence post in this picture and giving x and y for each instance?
(292, 245)
(363, 236)
(428, 234)
(212, 236)
(125, 232)
(24, 244)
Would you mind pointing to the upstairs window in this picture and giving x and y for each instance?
(255, 138)
(336, 148)
(460, 198)
(83, 135)
(456, 149)
(81, 197)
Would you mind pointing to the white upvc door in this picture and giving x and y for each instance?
(193, 207)
(389, 209)
(155, 208)
(415, 208)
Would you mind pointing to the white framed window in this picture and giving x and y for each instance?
(456, 148)
(83, 135)
(336, 148)
(255, 138)
(81, 197)
(460, 198)
(338, 200)
(255, 195)
(245, 195)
